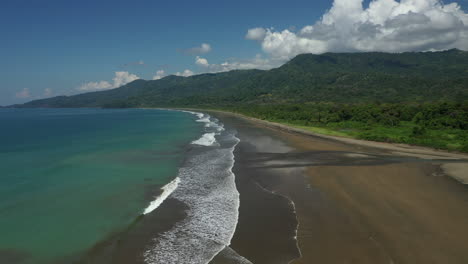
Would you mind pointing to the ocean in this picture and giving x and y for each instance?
(70, 179)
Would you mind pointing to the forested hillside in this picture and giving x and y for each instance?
(416, 98)
(330, 77)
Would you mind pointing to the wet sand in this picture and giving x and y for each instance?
(354, 203)
(266, 220)
(128, 246)
(308, 199)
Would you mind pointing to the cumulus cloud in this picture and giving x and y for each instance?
(256, 34)
(120, 79)
(201, 61)
(95, 86)
(386, 25)
(258, 62)
(202, 49)
(185, 73)
(23, 94)
(159, 75)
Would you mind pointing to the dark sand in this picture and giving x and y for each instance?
(267, 221)
(354, 204)
(346, 203)
(127, 247)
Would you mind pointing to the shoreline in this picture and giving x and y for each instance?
(382, 145)
(296, 231)
(290, 213)
(457, 171)
(175, 214)
(341, 191)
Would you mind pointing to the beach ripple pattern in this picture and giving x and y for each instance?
(207, 186)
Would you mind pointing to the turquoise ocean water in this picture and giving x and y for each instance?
(71, 177)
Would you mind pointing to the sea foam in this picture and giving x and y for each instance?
(207, 186)
(167, 190)
(212, 126)
(207, 139)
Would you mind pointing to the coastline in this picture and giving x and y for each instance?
(355, 201)
(307, 198)
(193, 217)
(457, 171)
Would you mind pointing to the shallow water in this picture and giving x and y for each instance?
(72, 177)
(207, 188)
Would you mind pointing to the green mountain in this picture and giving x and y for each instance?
(330, 77)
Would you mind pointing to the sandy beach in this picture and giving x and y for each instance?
(307, 198)
(350, 201)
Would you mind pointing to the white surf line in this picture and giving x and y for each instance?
(238, 203)
(190, 176)
(167, 190)
(291, 202)
(205, 118)
(170, 187)
(198, 114)
(207, 139)
(297, 231)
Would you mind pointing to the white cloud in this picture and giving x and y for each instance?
(120, 79)
(202, 62)
(95, 86)
(203, 49)
(258, 62)
(185, 73)
(159, 75)
(23, 94)
(256, 34)
(47, 92)
(386, 25)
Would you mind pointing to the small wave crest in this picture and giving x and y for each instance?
(207, 139)
(213, 128)
(215, 125)
(208, 120)
(167, 190)
(199, 115)
(204, 119)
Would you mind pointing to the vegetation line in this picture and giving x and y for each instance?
(441, 125)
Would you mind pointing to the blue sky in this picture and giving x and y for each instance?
(55, 47)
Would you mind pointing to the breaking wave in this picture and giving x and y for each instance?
(207, 186)
(212, 126)
(167, 190)
(207, 139)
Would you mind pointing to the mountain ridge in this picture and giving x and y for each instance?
(328, 77)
